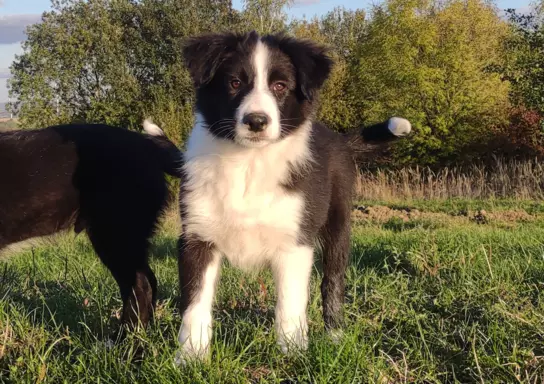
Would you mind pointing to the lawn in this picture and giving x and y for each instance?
(438, 291)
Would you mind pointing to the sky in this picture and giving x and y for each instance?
(15, 15)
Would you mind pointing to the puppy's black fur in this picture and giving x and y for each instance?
(105, 180)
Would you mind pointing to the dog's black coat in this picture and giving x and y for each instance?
(105, 180)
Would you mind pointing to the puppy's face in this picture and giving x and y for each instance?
(255, 90)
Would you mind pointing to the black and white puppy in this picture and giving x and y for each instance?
(106, 181)
(262, 182)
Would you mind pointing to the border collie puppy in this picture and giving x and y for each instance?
(262, 182)
(107, 181)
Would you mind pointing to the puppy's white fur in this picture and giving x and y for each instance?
(399, 127)
(292, 270)
(152, 129)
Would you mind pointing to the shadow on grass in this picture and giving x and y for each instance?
(382, 259)
(52, 304)
(396, 224)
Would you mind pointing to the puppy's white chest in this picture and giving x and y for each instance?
(235, 200)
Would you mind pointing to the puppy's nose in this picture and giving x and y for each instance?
(257, 122)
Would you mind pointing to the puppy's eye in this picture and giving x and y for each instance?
(279, 86)
(235, 84)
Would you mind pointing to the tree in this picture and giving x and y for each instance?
(112, 61)
(524, 62)
(427, 60)
(341, 30)
(119, 61)
(264, 16)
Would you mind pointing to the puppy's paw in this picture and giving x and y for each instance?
(187, 355)
(295, 340)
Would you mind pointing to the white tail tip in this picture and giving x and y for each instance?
(399, 126)
(152, 128)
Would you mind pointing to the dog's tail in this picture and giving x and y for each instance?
(371, 138)
(170, 155)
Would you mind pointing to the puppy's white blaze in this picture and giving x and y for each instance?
(260, 99)
(152, 129)
(292, 270)
(196, 328)
(399, 126)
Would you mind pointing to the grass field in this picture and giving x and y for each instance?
(7, 124)
(438, 291)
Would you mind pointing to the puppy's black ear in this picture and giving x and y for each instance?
(312, 63)
(204, 54)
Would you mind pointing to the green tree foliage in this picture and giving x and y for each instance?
(264, 16)
(112, 61)
(524, 61)
(118, 61)
(427, 61)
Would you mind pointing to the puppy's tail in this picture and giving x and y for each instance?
(374, 137)
(152, 128)
(170, 155)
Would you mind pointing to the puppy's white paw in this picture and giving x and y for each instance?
(292, 340)
(186, 355)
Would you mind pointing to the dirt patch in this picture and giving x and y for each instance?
(382, 214)
(510, 216)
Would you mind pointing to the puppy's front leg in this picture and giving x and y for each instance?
(292, 272)
(199, 264)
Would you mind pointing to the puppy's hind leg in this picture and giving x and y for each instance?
(336, 248)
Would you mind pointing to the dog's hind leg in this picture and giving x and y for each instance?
(335, 238)
(127, 261)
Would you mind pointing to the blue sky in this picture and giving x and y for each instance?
(16, 14)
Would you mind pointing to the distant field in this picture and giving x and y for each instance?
(8, 124)
(439, 291)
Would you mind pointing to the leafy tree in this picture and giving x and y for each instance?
(341, 30)
(118, 61)
(264, 16)
(427, 60)
(524, 61)
(112, 61)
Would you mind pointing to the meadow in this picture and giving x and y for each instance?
(7, 124)
(441, 289)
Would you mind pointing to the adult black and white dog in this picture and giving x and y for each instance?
(263, 183)
(107, 181)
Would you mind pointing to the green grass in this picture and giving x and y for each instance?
(8, 125)
(427, 301)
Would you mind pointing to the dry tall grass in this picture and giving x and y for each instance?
(504, 179)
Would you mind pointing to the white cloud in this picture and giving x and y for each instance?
(12, 27)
